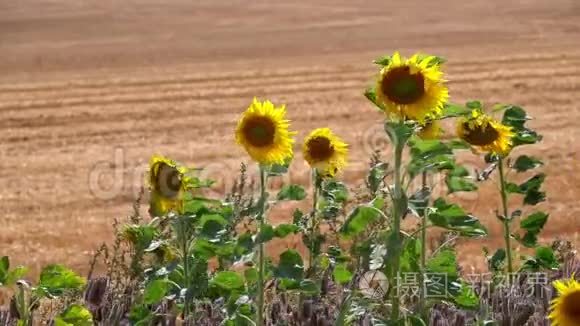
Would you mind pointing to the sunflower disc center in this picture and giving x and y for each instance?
(571, 306)
(320, 149)
(403, 87)
(481, 135)
(168, 181)
(259, 131)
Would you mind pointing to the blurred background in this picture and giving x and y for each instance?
(89, 90)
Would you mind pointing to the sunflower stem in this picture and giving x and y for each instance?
(424, 187)
(314, 222)
(398, 204)
(261, 218)
(185, 258)
(506, 219)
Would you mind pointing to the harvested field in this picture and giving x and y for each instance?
(90, 89)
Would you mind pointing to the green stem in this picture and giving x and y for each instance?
(261, 218)
(314, 222)
(423, 246)
(185, 257)
(506, 219)
(398, 203)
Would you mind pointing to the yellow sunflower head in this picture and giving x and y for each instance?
(565, 309)
(485, 134)
(263, 132)
(411, 88)
(430, 130)
(325, 152)
(167, 184)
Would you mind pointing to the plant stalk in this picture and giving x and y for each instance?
(314, 225)
(186, 276)
(506, 219)
(423, 246)
(261, 218)
(398, 203)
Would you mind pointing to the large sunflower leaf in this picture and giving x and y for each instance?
(453, 217)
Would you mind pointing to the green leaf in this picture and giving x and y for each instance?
(383, 60)
(398, 132)
(228, 280)
(140, 315)
(371, 95)
(15, 274)
(451, 110)
(497, 261)
(425, 149)
(341, 274)
(376, 176)
(140, 236)
(251, 275)
(524, 163)
(444, 262)
(334, 191)
(359, 219)
(4, 268)
(535, 222)
(309, 287)
(530, 189)
(284, 230)
(474, 105)
(544, 258)
(212, 225)
(74, 315)
(155, 291)
(466, 298)
(266, 234)
(55, 280)
(459, 179)
(516, 117)
(290, 266)
(453, 217)
(409, 262)
(442, 273)
(291, 192)
(280, 169)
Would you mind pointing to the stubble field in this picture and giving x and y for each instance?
(89, 90)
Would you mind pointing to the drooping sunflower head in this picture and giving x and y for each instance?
(485, 134)
(166, 181)
(263, 132)
(430, 130)
(565, 309)
(325, 152)
(411, 88)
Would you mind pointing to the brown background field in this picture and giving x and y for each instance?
(90, 89)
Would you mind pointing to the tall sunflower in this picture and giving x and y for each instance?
(485, 134)
(565, 309)
(430, 130)
(263, 132)
(166, 181)
(325, 152)
(411, 88)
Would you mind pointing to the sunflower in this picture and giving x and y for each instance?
(411, 88)
(166, 181)
(430, 130)
(263, 132)
(565, 309)
(485, 134)
(325, 152)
